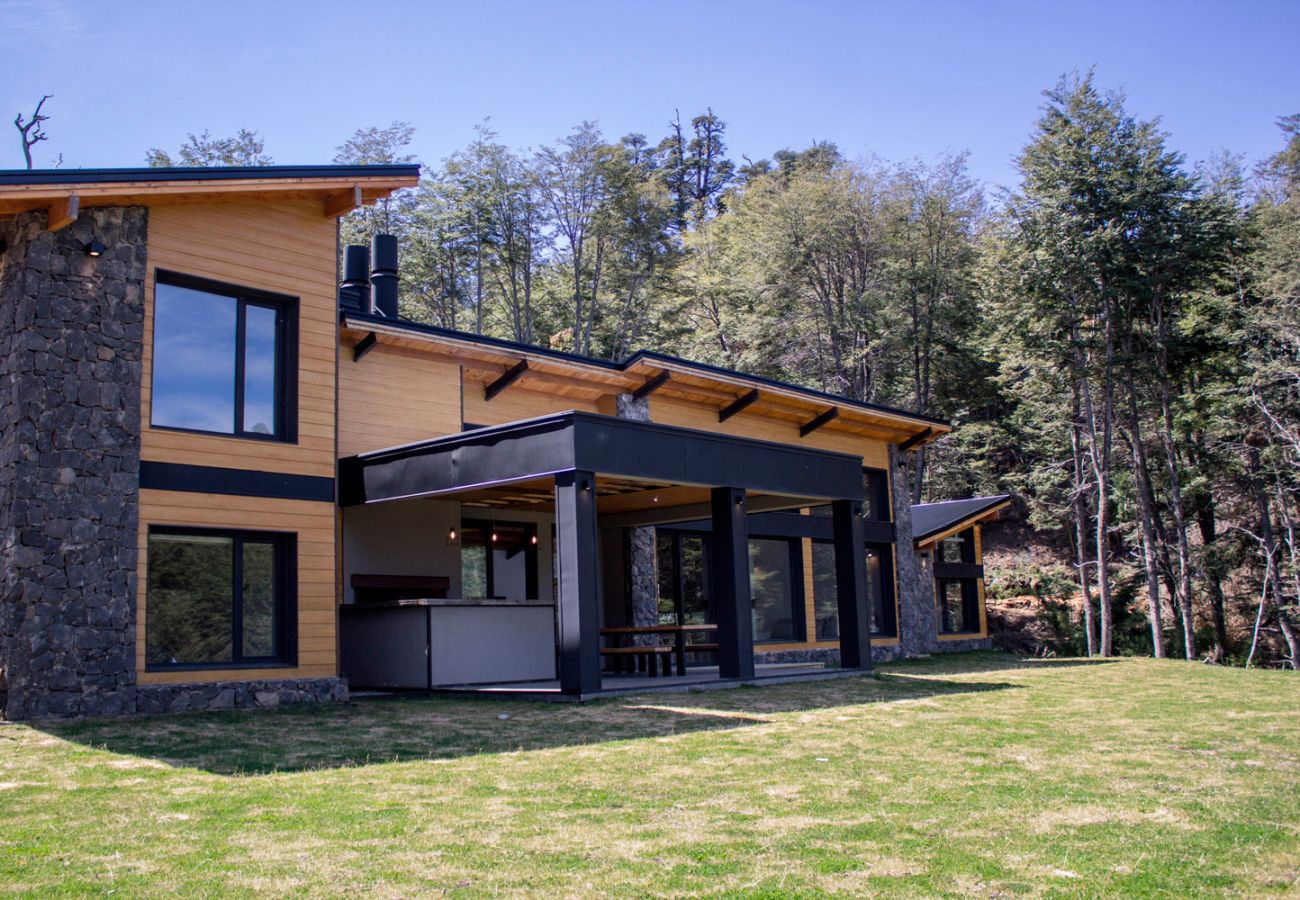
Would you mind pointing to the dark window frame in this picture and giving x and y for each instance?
(876, 482)
(531, 586)
(970, 605)
(285, 622)
(798, 598)
(889, 602)
(286, 308)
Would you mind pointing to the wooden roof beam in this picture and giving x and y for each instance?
(742, 402)
(364, 346)
(343, 202)
(513, 374)
(63, 212)
(813, 424)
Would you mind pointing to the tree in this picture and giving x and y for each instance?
(244, 149)
(30, 131)
(377, 146)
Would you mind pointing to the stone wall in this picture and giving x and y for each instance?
(916, 621)
(163, 698)
(71, 334)
(71, 328)
(643, 559)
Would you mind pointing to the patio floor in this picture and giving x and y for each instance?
(697, 678)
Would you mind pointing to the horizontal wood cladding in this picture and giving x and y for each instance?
(395, 395)
(286, 247)
(525, 400)
(314, 525)
(671, 411)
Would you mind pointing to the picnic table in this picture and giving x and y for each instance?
(648, 654)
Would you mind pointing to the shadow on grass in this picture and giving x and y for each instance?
(294, 739)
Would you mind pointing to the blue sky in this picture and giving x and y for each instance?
(899, 80)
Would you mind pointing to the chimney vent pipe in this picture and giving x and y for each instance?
(383, 275)
(354, 292)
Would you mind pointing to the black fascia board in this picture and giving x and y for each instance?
(198, 173)
(571, 441)
(649, 356)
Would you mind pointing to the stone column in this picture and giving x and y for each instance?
(643, 560)
(71, 330)
(917, 629)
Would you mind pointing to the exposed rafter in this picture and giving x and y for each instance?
(813, 424)
(742, 402)
(343, 202)
(63, 212)
(652, 385)
(364, 346)
(915, 439)
(510, 377)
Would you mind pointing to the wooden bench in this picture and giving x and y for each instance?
(641, 658)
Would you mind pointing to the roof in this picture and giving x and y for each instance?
(634, 372)
(341, 187)
(930, 520)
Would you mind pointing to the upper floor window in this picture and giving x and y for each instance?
(222, 359)
(957, 548)
(875, 490)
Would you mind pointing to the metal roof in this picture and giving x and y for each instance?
(198, 173)
(929, 519)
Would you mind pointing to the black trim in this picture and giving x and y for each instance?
(741, 402)
(509, 377)
(958, 570)
(914, 440)
(813, 424)
(285, 625)
(647, 356)
(164, 476)
(652, 385)
(199, 173)
(364, 346)
(286, 351)
(563, 442)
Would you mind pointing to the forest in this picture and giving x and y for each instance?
(1116, 339)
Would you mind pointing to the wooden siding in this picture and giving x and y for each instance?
(669, 411)
(313, 523)
(395, 395)
(288, 248)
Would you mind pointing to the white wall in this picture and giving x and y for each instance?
(409, 537)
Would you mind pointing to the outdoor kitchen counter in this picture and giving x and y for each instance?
(414, 644)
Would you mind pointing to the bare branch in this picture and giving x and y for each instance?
(30, 131)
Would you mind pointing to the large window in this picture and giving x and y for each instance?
(498, 560)
(219, 598)
(958, 600)
(222, 359)
(880, 590)
(683, 579)
(776, 593)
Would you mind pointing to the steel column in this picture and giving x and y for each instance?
(729, 583)
(577, 554)
(851, 584)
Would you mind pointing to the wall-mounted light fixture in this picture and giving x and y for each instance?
(95, 248)
(451, 535)
(533, 540)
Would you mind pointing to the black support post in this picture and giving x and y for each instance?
(851, 584)
(729, 583)
(577, 552)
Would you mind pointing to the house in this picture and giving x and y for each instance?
(234, 476)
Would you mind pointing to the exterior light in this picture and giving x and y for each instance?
(95, 248)
(451, 535)
(533, 540)
(494, 536)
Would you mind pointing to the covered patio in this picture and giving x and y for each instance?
(590, 472)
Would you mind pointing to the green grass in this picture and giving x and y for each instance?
(973, 775)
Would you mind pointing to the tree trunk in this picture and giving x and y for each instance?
(1146, 515)
(1180, 524)
(1081, 524)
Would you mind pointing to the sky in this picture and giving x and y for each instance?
(898, 80)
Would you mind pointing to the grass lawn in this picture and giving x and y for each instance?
(972, 775)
